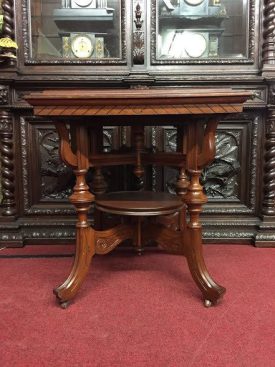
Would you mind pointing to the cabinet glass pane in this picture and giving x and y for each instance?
(202, 29)
(76, 29)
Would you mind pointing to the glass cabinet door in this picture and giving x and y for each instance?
(76, 30)
(190, 30)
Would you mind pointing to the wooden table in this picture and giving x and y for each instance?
(196, 114)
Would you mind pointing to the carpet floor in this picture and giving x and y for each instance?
(139, 311)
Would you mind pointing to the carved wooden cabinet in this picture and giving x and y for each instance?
(133, 44)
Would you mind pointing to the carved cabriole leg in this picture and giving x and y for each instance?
(195, 198)
(81, 199)
(7, 164)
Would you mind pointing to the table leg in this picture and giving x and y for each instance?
(85, 235)
(193, 243)
(194, 199)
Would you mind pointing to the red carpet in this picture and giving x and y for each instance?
(140, 311)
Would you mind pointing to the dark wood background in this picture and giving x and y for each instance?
(240, 183)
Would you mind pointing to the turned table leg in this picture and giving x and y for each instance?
(194, 199)
(81, 199)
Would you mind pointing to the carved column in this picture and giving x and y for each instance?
(8, 28)
(7, 164)
(138, 35)
(268, 51)
(265, 234)
(268, 207)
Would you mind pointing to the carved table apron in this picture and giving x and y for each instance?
(195, 112)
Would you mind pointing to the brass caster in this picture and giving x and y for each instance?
(140, 252)
(207, 303)
(65, 304)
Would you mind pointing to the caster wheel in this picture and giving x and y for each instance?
(207, 303)
(64, 305)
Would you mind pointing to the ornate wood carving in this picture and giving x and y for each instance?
(7, 164)
(50, 163)
(4, 95)
(57, 179)
(268, 207)
(8, 25)
(268, 53)
(220, 179)
(138, 36)
(8, 21)
(106, 241)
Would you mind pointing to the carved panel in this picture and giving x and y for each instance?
(57, 179)
(221, 178)
(4, 95)
(225, 180)
(42, 158)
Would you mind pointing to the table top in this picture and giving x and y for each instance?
(129, 102)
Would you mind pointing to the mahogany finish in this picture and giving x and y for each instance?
(138, 203)
(198, 113)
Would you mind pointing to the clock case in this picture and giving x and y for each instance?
(239, 183)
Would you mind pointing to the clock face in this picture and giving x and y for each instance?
(83, 3)
(194, 2)
(82, 46)
(194, 44)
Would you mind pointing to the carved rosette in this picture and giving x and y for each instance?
(269, 166)
(7, 164)
(269, 32)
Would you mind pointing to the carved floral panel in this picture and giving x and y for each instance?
(220, 179)
(57, 179)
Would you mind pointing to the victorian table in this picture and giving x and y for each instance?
(195, 112)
